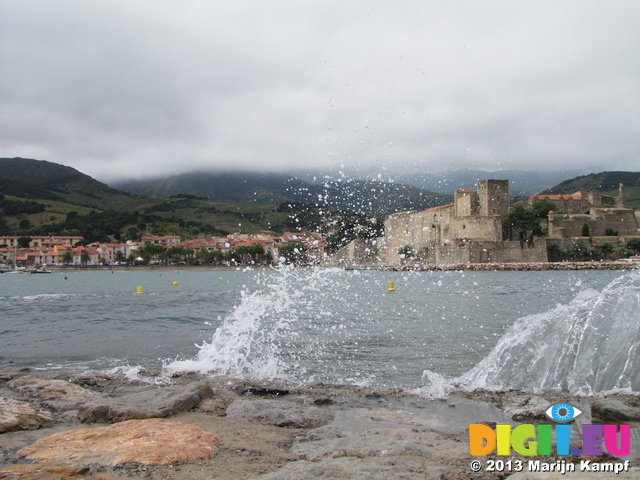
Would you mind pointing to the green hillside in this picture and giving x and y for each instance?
(43, 198)
(30, 178)
(606, 183)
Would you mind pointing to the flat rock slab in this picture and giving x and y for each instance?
(526, 407)
(16, 415)
(279, 413)
(150, 403)
(359, 469)
(366, 433)
(152, 441)
(56, 394)
(53, 472)
(614, 411)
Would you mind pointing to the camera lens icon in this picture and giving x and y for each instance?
(562, 412)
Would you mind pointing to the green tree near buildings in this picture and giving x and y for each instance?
(67, 258)
(175, 254)
(606, 249)
(542, 208)
(633, 244)
(407, 251)
(24, 242)
(523, 223)
(293, 252)
(152, 252)
(119, 257)
(254, 253)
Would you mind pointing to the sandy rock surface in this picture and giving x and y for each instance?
(17, 415)
(52, 471)
(156, 441)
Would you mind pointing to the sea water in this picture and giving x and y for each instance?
(572, 330)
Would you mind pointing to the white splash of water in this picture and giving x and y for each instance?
(256, 339)
(588, 346)
(136, 373)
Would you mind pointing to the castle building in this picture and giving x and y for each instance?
(467, 231)
(471, 230)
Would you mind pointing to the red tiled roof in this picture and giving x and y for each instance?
(573, 196)
(435, 209)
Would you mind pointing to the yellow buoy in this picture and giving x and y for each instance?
(392, 287)
(220, 278)
(139, 290)
(175, 284)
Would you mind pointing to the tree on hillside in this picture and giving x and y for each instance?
(133, 234)
(4, 228)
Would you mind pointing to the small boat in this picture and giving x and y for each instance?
(40, 270)
(20, 271)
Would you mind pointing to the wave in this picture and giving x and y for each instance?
(586, 347)
(47, 296)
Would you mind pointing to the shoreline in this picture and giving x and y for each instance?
(265, 430)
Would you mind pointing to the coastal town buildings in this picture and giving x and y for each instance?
(69, 249)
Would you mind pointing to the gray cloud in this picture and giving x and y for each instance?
(120, 89)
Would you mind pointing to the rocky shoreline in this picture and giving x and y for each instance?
(106, 426)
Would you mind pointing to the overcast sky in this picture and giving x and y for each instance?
(152, 87)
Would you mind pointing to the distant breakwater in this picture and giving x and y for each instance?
(520, 267)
